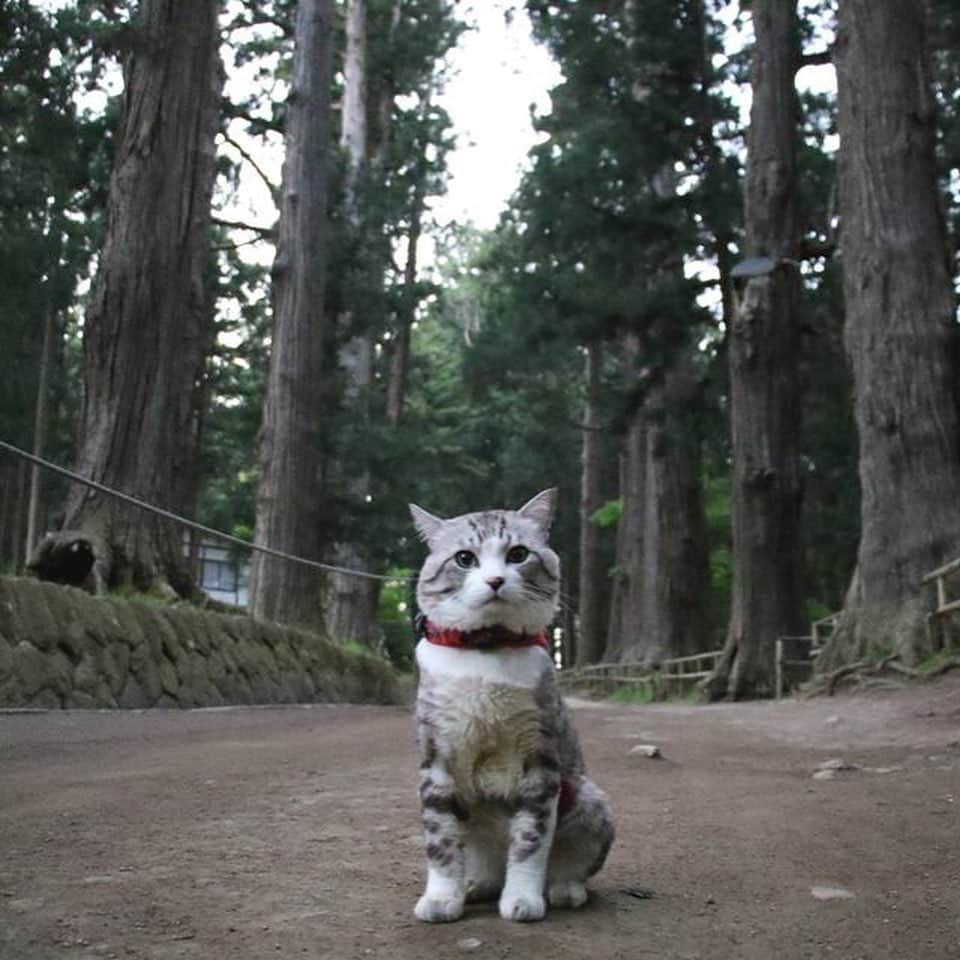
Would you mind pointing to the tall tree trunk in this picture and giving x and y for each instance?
(352, 601)
(676, 567)
(400, 356)
(40, 423)
(764, 380)
(353, 134)
(626, 625)
(13, 492)
(593, 595)
(664, 598)
(901, 333)
(145, 329)
(290, 505)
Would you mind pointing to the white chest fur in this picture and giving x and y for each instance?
(483, 712)
(515, 667)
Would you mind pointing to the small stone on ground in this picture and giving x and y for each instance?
(831, 893)
(836, 764)
(828, 769)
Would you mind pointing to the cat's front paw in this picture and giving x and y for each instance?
(567, 893)
(523, 908)
(431, 910)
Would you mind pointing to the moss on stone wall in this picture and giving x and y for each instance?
(61, 647)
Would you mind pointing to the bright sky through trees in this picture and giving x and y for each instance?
(498, 73)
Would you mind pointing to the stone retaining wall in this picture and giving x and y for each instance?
(61, 647)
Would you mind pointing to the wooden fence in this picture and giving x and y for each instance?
(944, 605)
(668, 677)
(793, 654)
(798, 654)
(679, 675)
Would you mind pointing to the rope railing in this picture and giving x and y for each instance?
(191, 524)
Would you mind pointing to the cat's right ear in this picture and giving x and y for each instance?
(541, 508)
(428, 526)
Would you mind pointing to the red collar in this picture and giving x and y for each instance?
(487, 638)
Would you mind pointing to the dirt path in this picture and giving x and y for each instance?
(291, 833)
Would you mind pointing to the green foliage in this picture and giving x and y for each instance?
(717, 509)
(466, 444)
(408, 135)
(943, 23)
(831, 524)
(54, 159)
(640, 695)
(235, 378)
(609, 514)
(815, 610)
(613, 201)
(935, 664)
(396, 598)
(644, 694)
(636, 177)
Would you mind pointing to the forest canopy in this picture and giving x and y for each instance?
(719, 311)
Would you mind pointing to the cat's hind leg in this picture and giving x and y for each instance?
(581, 843)
(486, 857)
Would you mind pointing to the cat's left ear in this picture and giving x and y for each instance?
(541, 508)
(428, 526)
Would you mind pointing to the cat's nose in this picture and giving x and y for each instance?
(495, 583)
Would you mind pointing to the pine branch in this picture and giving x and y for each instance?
(245, 155)
(241, 243)
(260, 20)
(265, 233)
(259, 125)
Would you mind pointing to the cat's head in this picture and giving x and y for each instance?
(490, 569)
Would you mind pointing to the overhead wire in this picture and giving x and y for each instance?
(192, 524)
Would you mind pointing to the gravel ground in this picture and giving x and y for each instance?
(292, 832)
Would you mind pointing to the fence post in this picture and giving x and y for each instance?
(778, 668)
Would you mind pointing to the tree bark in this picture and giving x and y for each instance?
(765, 390)
(40, 422)
(593, 594)
(145, 329)
(400, 356)
(14, 479)
(352, 601)
(664, 590)
(353, 136)
(289, 506)
(625, 624)
(901, 333)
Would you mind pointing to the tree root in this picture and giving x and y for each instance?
(941, 668)
(832, 679)
(864, 668)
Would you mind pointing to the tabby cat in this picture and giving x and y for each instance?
(508, 811)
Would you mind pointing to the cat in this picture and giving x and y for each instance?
(507, 809)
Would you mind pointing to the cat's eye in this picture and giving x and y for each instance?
(517, 554)
(465, 559)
